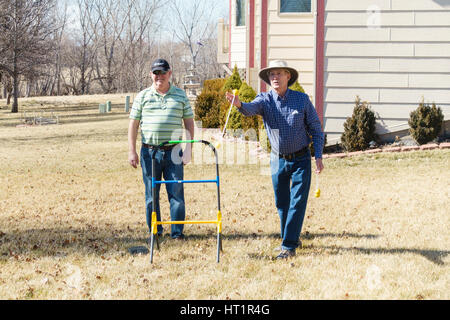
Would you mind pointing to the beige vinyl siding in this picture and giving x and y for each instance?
(359, 19)
(238, 47)
(357, 5)
(393, 65)
(291, 37)
(432, 18)
(238, 41)
(252, 76)
(420, 5)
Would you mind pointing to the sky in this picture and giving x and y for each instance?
(220, 9)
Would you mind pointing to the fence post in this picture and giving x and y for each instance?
(127, 104)
(108, 106)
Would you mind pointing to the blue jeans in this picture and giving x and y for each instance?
(291, 182)
(165, 167)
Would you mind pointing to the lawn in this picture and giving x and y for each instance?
(71, 207)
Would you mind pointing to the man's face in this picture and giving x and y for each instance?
(279, 78)
(161, 78)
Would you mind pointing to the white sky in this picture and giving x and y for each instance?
(220, 11)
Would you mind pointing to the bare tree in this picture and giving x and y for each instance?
(137, 43)
(207, 66)
(108, 47)
(111, 24)
(193, 24)
(79, 49)
(5, 81)
(26, 27)
(60, 15)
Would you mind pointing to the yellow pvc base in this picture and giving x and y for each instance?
(155, 223)
(218, 222)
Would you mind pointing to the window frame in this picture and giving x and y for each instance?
(244, 14)
(283, 14)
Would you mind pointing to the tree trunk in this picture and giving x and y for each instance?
(15, 105)
(83, 75)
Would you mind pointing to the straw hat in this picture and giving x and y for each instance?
(278, 64)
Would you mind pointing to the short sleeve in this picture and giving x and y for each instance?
(187, 110)
(136, 109)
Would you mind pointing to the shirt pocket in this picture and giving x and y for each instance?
(295, 119)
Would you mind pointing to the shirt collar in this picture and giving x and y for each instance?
(276, 97)
(153, 89)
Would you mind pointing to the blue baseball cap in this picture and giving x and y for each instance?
(161, 65)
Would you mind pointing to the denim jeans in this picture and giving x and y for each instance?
(168, 164)
(291, 182)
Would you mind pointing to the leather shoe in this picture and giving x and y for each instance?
(180, 238)
(286, 254)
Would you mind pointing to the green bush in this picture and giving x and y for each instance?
(240, 123)
(213, 84)
(263, 138)
(359, 130)
(425, 123)
(246, 93)
(232, 82)
(207, 106)
(297, 87)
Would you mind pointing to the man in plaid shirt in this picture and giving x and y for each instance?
(290, 119)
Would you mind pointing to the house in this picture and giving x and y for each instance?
(391, 53)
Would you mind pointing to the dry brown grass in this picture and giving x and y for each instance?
(71, 206)
(69, 109)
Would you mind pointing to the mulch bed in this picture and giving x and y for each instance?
(388, 148)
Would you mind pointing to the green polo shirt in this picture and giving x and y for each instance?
(161, 115)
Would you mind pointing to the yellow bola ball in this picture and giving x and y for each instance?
(235, 92)
(317, 193)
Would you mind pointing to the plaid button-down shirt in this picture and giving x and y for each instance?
(289, 121)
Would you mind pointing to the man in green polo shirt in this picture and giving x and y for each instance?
(161, 111)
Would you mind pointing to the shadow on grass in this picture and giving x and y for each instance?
(434, 256)
(59, 242)
(95, 241)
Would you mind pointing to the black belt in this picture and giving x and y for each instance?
(291, 156)
(164, 148)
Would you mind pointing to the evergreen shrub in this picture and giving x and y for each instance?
(359, 129)
(425, 122)
(209, 101)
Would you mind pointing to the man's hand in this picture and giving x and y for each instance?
(187, 154)
(319, 165)
(133, 159)
(230, 97)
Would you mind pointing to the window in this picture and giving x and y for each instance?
(290, 6)
(240, 13)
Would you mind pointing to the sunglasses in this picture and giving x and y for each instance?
(158, 72)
